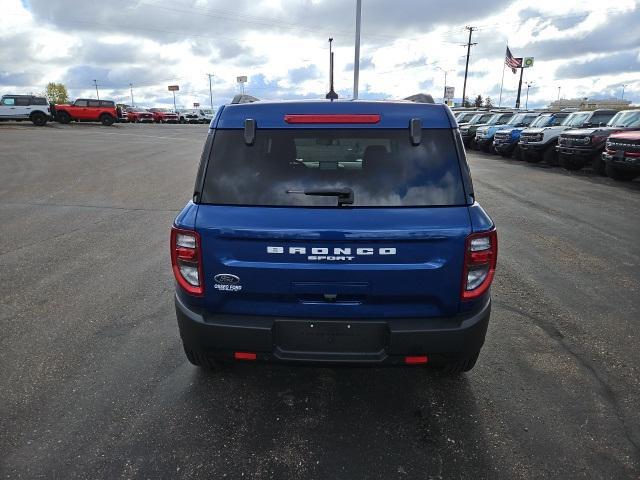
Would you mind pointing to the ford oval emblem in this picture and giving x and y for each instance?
(226, 279)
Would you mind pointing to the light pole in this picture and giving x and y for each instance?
(131, 87)
(356, 61)
(444, 98)
(526, 102)
(210, 92)
(622, 96)
(559, 92)
(95, 82)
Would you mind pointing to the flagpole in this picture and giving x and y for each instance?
(501, 85)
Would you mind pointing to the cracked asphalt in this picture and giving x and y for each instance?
(94, 384)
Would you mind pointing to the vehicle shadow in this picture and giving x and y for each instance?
(307, 422)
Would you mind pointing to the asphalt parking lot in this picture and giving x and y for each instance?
(94, 384)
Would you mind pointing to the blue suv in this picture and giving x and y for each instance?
(339, 232)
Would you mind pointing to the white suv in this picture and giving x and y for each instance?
(193, 115)
(25, 107)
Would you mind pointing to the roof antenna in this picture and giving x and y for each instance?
(332, 95)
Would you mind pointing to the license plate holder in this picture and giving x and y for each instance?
(330, 336)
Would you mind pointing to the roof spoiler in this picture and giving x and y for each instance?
(242, 98)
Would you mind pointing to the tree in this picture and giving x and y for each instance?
(488, 103)
(478, 101)
(57, 93)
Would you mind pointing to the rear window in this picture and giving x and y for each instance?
(39, 101)
(380, 166)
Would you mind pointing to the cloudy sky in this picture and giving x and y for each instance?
(588, 48)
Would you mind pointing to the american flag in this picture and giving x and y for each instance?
(511, 61)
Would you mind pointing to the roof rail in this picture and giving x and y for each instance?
(242, 98)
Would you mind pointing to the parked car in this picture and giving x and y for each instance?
(505, 140)
(208, 114)
(464, 117)
(540, 142)
(193, 115)
(485, 134)
(164, 115)
(87, 110)
(468, 130)
(578, 148)
(621, 155)
(25, 107)
(263, 273)
(139, 115)
(121, 110)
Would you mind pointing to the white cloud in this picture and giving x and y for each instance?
(282, 46)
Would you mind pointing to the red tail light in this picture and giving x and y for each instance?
(332, 118)
(186, 260)
(480, 257)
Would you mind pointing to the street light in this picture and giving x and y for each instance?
(623, 85)
(131, 87)
(526, 102)
(95, 82)
(559, 92)
(444, 99)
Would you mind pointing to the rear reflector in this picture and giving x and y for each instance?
(340, 118)
(244, 356)
(415, 360)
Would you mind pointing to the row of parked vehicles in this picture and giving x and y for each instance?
(39, 111)
(607, 140)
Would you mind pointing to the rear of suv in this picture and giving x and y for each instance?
(25, 107)
(334, 232)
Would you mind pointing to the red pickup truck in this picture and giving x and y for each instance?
(87, 110)
(164, 115)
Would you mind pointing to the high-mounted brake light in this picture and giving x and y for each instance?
(332, 118)
(480, 257)
(186, 260)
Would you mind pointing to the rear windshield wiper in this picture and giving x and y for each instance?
(345, 194)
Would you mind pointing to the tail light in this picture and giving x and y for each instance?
(481, 254)
(186, 260)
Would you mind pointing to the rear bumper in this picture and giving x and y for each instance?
(360, 341)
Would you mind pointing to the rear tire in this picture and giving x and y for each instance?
(199, 359)
(107, 120)
(570, 163)
(461, 365)
(63, 117)
(39, 119)
(618, 174)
